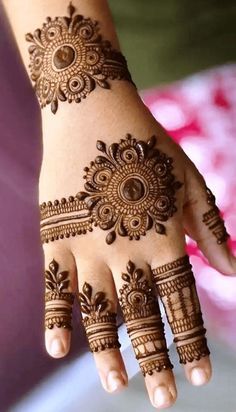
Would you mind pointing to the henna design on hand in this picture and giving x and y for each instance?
(143, 320)
(69, 58)
(176, 287)
(213, 220)
(130, 187)
(64, 218)
(58, 302)
(100, 323)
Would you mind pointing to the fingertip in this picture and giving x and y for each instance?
(57, 342)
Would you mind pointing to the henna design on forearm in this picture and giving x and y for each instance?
(130, 189)
(58, 301)
(176, 287)
(64, 218)
(143, 320)
(99, 322)
(69, 58)
(213, 220)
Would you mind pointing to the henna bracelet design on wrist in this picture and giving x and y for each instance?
(58, 302)
(99, 322)
(143, 320)
(69, 58)
(213, 220)
(129, 188)
(176, 287)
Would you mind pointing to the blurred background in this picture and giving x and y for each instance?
(182, 57)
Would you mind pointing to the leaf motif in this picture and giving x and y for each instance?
(142, 149)
(29, 37)
(138, 273)
(64, 285)
(130, 267)
(54, 106)
(149, 222)
(110, 237)
(53, 266)
(125, 277)
(85, 309)
(62, 276)
(82, 298)
(160, 229)
(121, 229)
(103, 83)
(89, 187)
(101, 146)
(91, 202)
(101, 159)
(61, 95)
(32, 48)
(87, 290)
(151, 142)
(82, 195)
(50, 285)
(102, 307)
(49, 276)
(99, 297)
(113, 149)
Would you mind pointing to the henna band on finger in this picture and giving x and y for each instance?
(176, 287)
(99, 322)
(143, 320)
(213, 220)
(130, 188)
(58, 302)
(69, 59)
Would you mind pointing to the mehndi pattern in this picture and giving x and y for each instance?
(143, 320)
(176, 287)
(69, 58)
(58, 301)
(99, 321)
(213, 220)
(130, 188)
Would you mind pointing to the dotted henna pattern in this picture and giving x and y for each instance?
(129, 188)
(176, 287)
(69, 58)
(99, 322)
(58, 301)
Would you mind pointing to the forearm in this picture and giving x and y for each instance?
(31, 16)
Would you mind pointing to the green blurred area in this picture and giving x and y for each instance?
(165, 40)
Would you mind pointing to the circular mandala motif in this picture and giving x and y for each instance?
(130, 187)
(69, 55)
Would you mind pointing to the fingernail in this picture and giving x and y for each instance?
(56, 347)
(198, 376)
(162, 396)
(114, 381)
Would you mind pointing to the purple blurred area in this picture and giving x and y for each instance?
(23, 360)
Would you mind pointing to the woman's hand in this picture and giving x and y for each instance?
(117, 196)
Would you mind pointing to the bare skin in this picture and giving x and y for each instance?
(69, 140)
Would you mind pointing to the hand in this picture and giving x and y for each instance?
(125, 240)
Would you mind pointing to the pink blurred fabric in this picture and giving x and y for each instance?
(200, 113)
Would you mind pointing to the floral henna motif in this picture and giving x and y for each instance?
(176, 287)
(130, 187)
(69, 58)
(99, 322)
(58, 302)
(143, 320)
(213, 220)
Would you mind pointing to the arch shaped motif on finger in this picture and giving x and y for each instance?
(143, 320)
(58, 301)
(176, 286)
(99, 321)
